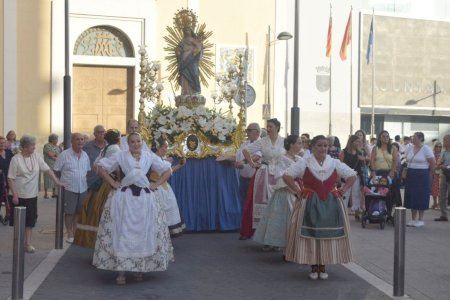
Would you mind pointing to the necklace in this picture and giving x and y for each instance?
(136, 156)
(321, 162)
(26, 165)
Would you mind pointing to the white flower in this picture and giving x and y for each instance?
(162, 120)
(221, 137)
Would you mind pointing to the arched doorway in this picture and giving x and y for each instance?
(102, 94)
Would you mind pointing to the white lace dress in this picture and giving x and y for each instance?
(133, 233)
(264, 177)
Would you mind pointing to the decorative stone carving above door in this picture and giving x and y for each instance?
(103, 41)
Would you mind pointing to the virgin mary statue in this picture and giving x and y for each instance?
(189, 53)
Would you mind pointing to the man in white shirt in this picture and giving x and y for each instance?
(132, 127)
(246, 171)
(73, 164)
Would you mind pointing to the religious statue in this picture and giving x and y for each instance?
(189, 53)
(190, 57)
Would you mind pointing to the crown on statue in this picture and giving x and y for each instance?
(185, 18)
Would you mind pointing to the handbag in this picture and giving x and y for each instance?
(405, 169)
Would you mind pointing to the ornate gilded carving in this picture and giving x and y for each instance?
(103, 41)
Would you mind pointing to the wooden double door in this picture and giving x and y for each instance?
(102, 95)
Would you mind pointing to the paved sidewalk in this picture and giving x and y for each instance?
(427, 250)
(207, 266)
(43, 239)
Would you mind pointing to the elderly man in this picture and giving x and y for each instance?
(73, 164)
(93, 149)
(246, 171)
(132, 127)
(444, 179)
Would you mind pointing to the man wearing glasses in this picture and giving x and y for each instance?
(246, 171)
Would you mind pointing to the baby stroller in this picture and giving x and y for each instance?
(378, 202)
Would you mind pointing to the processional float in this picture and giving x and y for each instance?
(206, 190)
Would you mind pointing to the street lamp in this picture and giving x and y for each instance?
(295, 110)
(435, 92)
(67, 81)
(286, 36)
(282, 36)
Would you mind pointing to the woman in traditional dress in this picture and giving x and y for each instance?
(261, 185)
(86, 233)
(165, 192)
(133, 235)
(51, 152)
(272, 229)
(319, 228)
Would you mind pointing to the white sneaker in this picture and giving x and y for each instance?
(323, 275)
(70, 240)
(411, 223)
(313, 275)
(420, 223)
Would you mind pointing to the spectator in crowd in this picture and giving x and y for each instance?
(246, 171)
(5, 158)
(73, 164)
(132, 127)
(437, 151)
(373, 143)
(353, 156)
(51, 152)
(306, 147)
(421, 165)
(383, 159)
(335, 146)
(23, 176)
(396, 181)
(444, 180)
(93, 149)
(366, 150)
(11, 142)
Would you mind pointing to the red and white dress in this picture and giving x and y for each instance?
(261, 185)
(319, 230)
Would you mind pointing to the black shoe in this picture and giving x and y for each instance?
(441, 219)
(243, 238)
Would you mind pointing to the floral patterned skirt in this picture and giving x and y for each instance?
(105, 257)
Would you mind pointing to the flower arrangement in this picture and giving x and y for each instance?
(173, 121)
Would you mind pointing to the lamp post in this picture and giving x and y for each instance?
(67, 81)
(286, 36)
(282, 36)
(295, 110)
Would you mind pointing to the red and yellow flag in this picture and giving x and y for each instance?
(347, 38)
(328, 52)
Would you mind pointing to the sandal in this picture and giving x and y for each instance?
(121, 280)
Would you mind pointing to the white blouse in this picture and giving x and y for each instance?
(420, 160)
(321, 172)
(268, 150)
(129, 164)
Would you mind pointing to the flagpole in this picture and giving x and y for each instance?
(329, 100)
(373, 74)
(351, 72)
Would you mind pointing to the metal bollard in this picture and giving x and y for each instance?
(399, 252)
(59, 232)
(18, 252)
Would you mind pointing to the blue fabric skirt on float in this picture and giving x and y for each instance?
(417, 189)
(207, 192)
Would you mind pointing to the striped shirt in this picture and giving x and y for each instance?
(73, 170)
